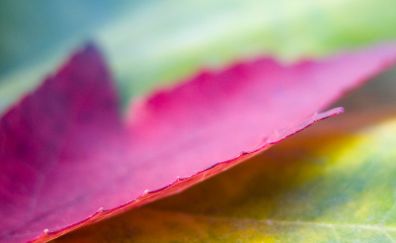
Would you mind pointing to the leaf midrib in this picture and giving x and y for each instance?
(280, 222)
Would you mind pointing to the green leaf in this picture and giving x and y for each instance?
(332, 183)
(169, 41)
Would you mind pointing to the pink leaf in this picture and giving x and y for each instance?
(67, 158)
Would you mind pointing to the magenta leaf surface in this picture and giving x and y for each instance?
(68, 158)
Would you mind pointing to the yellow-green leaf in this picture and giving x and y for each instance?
(332, 183)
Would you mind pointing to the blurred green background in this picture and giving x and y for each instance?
(154, 43)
